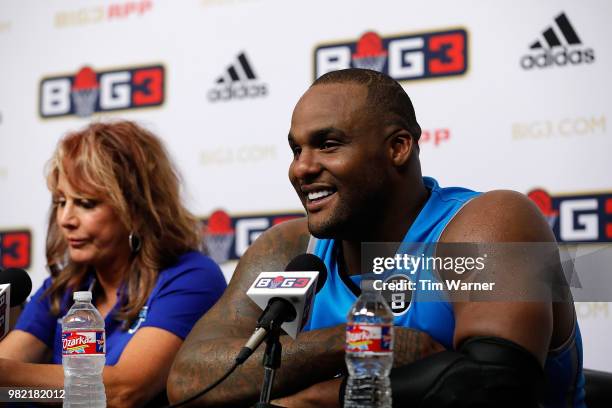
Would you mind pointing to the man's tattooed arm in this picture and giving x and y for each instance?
(411, 345)
(211, 347)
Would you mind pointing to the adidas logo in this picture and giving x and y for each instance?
(559, 45)
(566, 29)
(238, 82)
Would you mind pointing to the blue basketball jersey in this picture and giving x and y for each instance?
(563, 366)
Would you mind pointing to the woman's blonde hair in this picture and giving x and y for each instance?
(129, 167)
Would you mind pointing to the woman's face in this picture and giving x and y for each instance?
(92, 229)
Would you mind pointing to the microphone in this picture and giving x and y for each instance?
(286, 299)
(21, 285)
(20, 282)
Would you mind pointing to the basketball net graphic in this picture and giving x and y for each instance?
(544, 202)
(85, 91)
(219, 236)
(370, 53)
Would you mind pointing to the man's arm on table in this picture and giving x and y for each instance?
(211, 347)
(409, 346)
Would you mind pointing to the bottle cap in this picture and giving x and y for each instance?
(84, 296)
(367, 284)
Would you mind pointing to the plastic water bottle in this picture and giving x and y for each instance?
(84, 354)
(369, 351)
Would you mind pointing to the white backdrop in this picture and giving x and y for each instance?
(498, 125)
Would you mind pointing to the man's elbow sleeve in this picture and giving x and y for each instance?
(484, 372)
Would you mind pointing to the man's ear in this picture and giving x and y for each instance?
(401, 146)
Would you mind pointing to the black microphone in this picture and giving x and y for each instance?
(309, 262)
(286, 298)
(21, 284)
(15, 286)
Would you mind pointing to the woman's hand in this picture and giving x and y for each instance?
(139, 375)
(24, 347)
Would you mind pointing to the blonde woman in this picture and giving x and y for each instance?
(118, 228)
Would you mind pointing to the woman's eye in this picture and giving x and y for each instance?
(87, 204)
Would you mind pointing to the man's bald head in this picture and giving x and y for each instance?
(386, 98)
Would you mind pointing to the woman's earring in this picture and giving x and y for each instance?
(135, 243)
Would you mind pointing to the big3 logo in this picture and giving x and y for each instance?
(402, 57)
(15, 249)
(228, 237)
(88, 91)
(577, 217)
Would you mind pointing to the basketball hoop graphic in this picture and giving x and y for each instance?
(219, 236)
(85, 92)
(544, 202)
(370, 53)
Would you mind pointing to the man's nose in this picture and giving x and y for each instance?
(306, 164)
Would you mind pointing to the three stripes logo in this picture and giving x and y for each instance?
(559, 45)
(239, 81)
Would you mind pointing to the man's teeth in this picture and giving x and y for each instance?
(315, 195)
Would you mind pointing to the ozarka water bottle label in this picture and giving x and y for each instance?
(83, 342)
(363, 338)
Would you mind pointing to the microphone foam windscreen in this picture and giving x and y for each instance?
(21, 284)
(309, 262)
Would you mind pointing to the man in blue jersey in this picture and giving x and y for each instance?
(354, 138)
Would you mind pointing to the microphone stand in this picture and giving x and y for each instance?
(271, 362)
(272, 356)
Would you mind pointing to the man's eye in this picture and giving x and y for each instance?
(329, 144)
(59, 202)
(296, 151)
